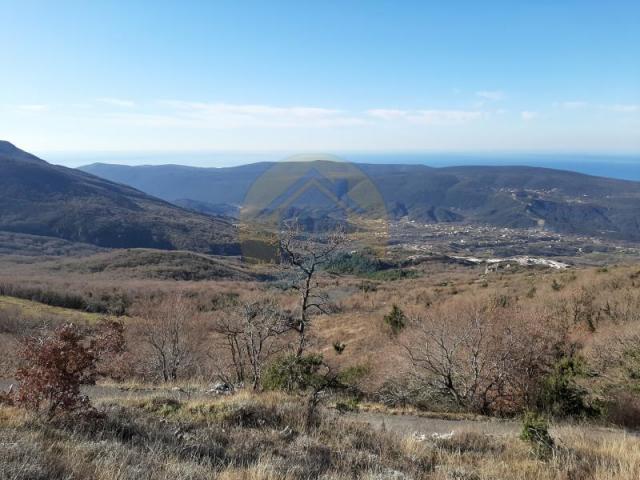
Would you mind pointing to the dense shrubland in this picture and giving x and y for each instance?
(550, 346)
(559, 343)
(110, 303)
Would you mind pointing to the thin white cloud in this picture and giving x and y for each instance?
(529, 115)
(229, 116)
(493, 95)
(255, 110)
(624, 108)
(117, 102)
(445, 117)
(426, 117)
(33, 108)
(571, 105)
(580, 104)
(147, 120)
(224, 115)
(387, 113)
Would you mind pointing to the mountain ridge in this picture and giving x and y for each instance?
(506, 196)
(38, 198)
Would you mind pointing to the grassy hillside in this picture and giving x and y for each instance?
(31, 309)
(158, 264)
(12, 243)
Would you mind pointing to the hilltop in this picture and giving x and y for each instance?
(38, 198)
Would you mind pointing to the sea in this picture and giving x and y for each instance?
(625, 167)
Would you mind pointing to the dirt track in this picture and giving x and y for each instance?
(404, 424)
(412, 424)
(409, 424)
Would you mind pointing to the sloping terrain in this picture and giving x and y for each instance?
(517, 197)
(12, 243)
(38, 198)
(157, 264)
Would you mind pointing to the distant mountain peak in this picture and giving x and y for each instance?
(7, 148)
(37, 198)
(8, 151)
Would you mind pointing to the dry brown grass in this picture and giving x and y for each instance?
(259, 438)
(240, 437)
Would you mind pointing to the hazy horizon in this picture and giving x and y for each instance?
(621, 166)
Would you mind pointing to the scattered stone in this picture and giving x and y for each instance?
(287, 433)
(221, 388)
(422, 437)
(462, 474)
(390, 475)
(443, 436)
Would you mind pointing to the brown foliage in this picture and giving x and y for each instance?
(108, 345)
(54, 366)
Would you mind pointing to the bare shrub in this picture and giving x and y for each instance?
(401, 392)
(479, 356)
(10, 321)
(250, 336)
(456, 356)
(615, 356)
(7, 398)
(171, 335)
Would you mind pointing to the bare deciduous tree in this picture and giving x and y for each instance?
(305, 255)
(169, 332)
(250, 334)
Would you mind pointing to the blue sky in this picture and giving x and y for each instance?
(539, 76)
